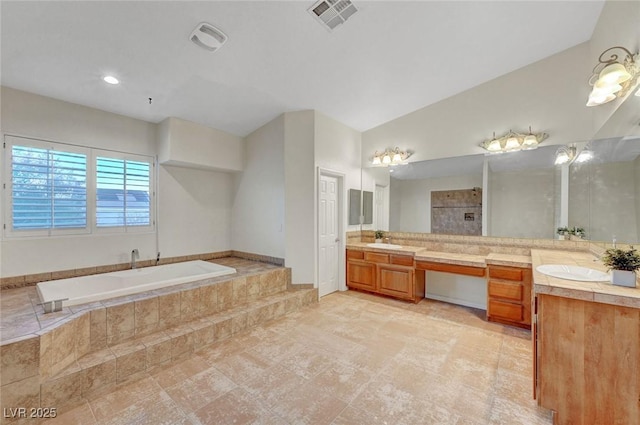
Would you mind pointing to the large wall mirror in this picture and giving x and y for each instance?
(525, 195)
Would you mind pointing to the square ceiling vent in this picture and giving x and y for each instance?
(332, 13)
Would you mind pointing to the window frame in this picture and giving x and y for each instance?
(95, 153)
(91, 184)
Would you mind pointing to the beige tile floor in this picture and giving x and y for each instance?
(351, 359)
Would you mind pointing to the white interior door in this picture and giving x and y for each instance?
(381, 222)
(329, 238)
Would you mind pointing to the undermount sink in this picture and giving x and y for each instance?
(582, 274)
(384, 245)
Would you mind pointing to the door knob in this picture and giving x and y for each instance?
(337, 240)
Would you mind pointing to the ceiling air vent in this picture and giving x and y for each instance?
(332, 13)
(208, 37)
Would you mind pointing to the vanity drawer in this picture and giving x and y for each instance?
(355, 255)
(507, 273)
(402, 260)
(376, 257)
(506, 310)
(508, 290)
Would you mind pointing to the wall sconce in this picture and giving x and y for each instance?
(568, 155)
(610, 78)
(512, 142)
(390, 157)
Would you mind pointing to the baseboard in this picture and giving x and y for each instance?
(456, 301)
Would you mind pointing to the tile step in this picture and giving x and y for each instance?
(102, 370)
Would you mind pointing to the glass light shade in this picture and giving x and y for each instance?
(614, 73)
(386, 159)
(494, 145)
(512, 143)
(396, 158)
(562, 158)
(529, 141)
(606, 88)
(376, 160)
(584, 156)
(596, 99)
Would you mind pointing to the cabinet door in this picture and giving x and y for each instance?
(361, 275)
(396, 281)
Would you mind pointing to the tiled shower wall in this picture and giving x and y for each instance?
(457, 212)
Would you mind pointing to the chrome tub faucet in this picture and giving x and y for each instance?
(134, 255)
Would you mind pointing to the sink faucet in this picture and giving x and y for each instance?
(134, 254)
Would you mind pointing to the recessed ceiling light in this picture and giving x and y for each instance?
(111, 79)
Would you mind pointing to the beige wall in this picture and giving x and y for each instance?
(259, 197)
(188, 144)
(410, 200)
(549, 95)
(29, 115)
(195, 211)
(523, 204)
(300, 211)
(636, 182)
(337, 148)
(612, 184)
(618, 25)
(527, 96)
(194, 206)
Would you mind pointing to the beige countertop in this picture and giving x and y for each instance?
(451, 258)
(602, 292)
(423, 254)
(511, 260)
(406, 250)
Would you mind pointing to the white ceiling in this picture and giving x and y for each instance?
(389, 59)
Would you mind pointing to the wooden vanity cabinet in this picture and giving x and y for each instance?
(509, 295)
(387, 274)
(396, 281)
(360, 274)
(587, 356)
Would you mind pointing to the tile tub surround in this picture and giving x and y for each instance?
(88, 348)
(12, 282)
(350, 359)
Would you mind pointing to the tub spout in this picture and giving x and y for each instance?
(134, 255)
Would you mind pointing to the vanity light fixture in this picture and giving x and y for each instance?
(611, 78)
(390, 158)
(585, 155)
(565, 155)
(569, 154)
(512, 142)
